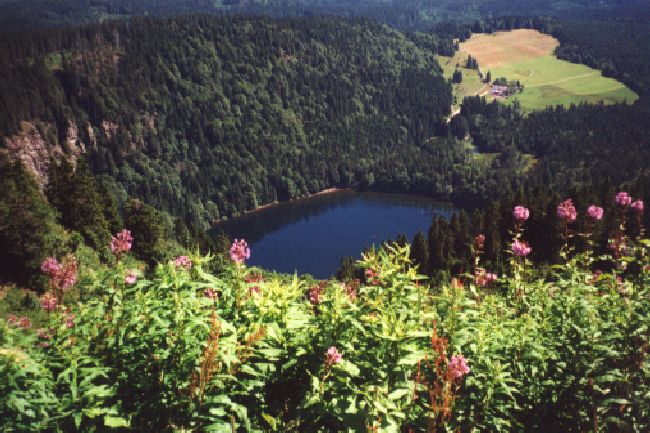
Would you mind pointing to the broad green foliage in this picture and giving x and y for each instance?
(244, 351)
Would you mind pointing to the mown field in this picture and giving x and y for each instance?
(527, 55)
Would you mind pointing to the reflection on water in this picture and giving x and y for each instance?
(311, 235)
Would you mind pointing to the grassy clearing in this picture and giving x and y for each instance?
(527, 56)
(471, 83)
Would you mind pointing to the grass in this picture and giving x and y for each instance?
(471, 83)
(527, 56)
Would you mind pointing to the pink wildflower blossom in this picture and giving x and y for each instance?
(520, 248)
(48, 302)
(210, 293)
(623, 199)
(62, 275)
(183, 262)
(316, 292)
(68, 274)
(521, 213)
(372, 276)
(333, 356)
(239, 251)
(50, 266)
(131, 277)
(483, 278)
(24, 323)
(458, 366)
(351, 289)
(43, 334)
(121, 243)
(595, 276)
(251, 279)
(566, 211)
(69, 320)
(638, 206)
(595, 212)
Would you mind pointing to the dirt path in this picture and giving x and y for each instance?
(563, 80)
(453, 114)
(480, 92)
(483, 90)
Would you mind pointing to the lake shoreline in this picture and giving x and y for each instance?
(277, 203)
(311, 236)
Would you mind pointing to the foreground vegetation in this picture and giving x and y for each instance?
(242, 350)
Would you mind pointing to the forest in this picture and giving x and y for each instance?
(124, 141)
(403, 14)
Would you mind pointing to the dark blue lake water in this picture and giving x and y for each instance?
(311, 235)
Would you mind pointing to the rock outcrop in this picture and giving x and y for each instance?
(36, 147)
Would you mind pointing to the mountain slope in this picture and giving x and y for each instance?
(206, 116)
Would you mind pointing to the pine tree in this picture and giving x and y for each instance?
(28, 228)
(420, 253)
(148, 231)
(75, 195)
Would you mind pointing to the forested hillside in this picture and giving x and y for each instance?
(403, 14)
(207, 116)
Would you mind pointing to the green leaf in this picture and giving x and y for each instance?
(115, 421)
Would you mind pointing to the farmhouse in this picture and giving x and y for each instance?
(499, 91)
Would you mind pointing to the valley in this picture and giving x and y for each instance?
(369, 216)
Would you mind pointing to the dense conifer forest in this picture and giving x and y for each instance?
(209, 116)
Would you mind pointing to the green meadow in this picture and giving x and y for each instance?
(471, 83)
(549, 81)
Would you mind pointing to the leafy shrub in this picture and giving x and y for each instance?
(246, 350)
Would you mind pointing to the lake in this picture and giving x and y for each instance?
(311, 235)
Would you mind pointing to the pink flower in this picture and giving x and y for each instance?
(332, 356)
(595, 212)
(316, 292)
(638, 206)
(43, 334)
(62, 275)
(239, 251)
(351, 289)
(520, 213)
(48, 302)
(372, 276)
(131, 277)
(69, 272)
(483, 278)
(251, 279)
(121, 243)
(597, 273)
(458, 366)
(623, 199)
(183, 262)
(24, 323)
(520, 248)
(566, 211)
(50, 266)
(69, 321)
(210, 293)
